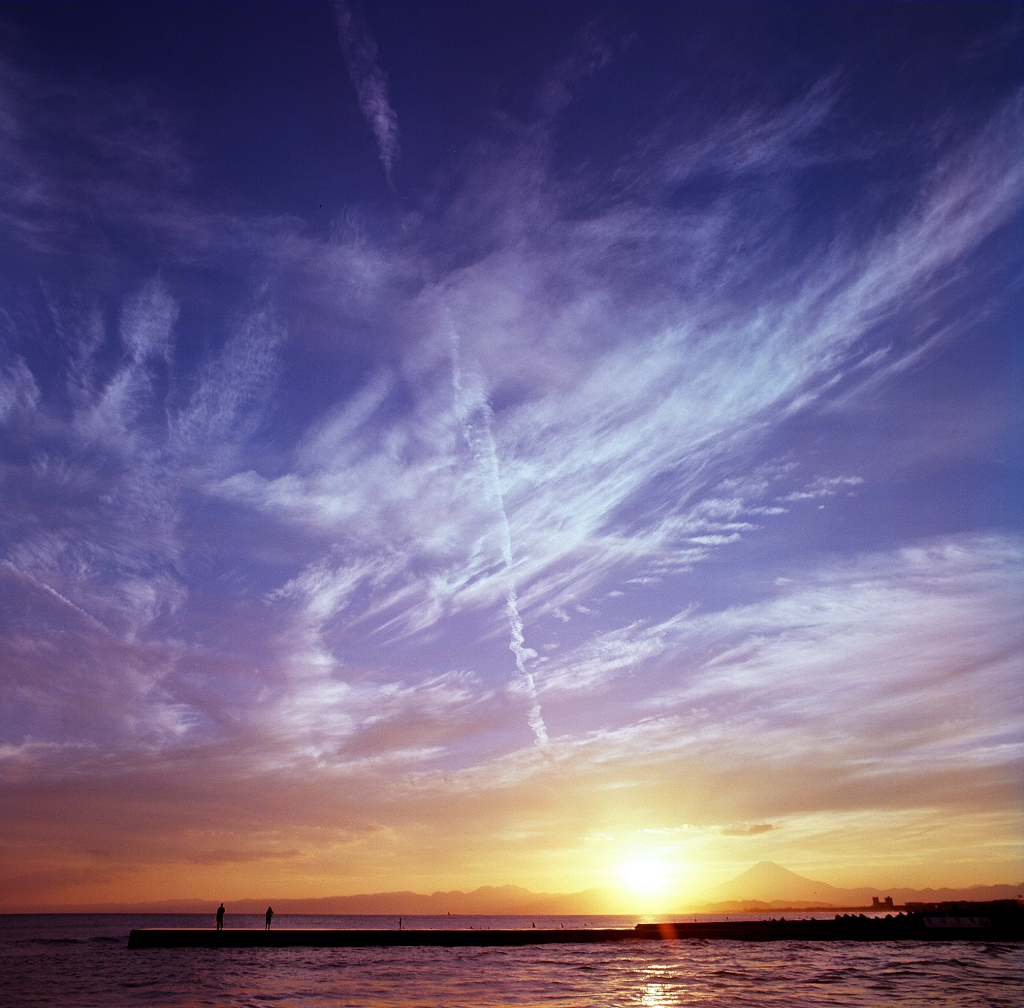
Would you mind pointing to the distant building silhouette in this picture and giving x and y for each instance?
(881, 904)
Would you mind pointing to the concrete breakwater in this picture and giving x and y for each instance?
(351, 938)
(841, 928)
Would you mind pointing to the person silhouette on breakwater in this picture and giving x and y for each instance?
(220, 917)
(270, 917)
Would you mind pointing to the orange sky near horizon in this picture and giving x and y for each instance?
(652, 868)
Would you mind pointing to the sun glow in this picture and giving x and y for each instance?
(644, 877)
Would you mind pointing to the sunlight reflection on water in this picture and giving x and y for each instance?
(657, 995)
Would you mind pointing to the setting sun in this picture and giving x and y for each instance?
(647, 877)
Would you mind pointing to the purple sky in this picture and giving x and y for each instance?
(466, 443)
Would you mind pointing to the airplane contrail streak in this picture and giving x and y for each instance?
(475, 419)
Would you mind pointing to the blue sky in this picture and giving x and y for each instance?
(466, 443)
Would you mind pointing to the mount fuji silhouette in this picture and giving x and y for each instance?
(769, 882)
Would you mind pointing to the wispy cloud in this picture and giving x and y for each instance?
(370, 82)
(747, 829)
(606, 395)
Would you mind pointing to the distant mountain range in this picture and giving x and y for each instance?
(765, 886)
(507, 899)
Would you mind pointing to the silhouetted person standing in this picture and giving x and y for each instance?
(220, 917)
(270, 917)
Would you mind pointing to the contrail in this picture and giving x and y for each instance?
(475, 419)
(370, 82)
(44, 587)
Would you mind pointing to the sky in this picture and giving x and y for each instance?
(475, 443)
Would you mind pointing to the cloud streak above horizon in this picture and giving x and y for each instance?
(370, 82)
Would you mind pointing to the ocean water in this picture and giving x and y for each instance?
(81, 961)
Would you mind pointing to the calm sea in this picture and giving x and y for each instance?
(81, 961)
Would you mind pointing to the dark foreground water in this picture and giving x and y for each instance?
(81, 961)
